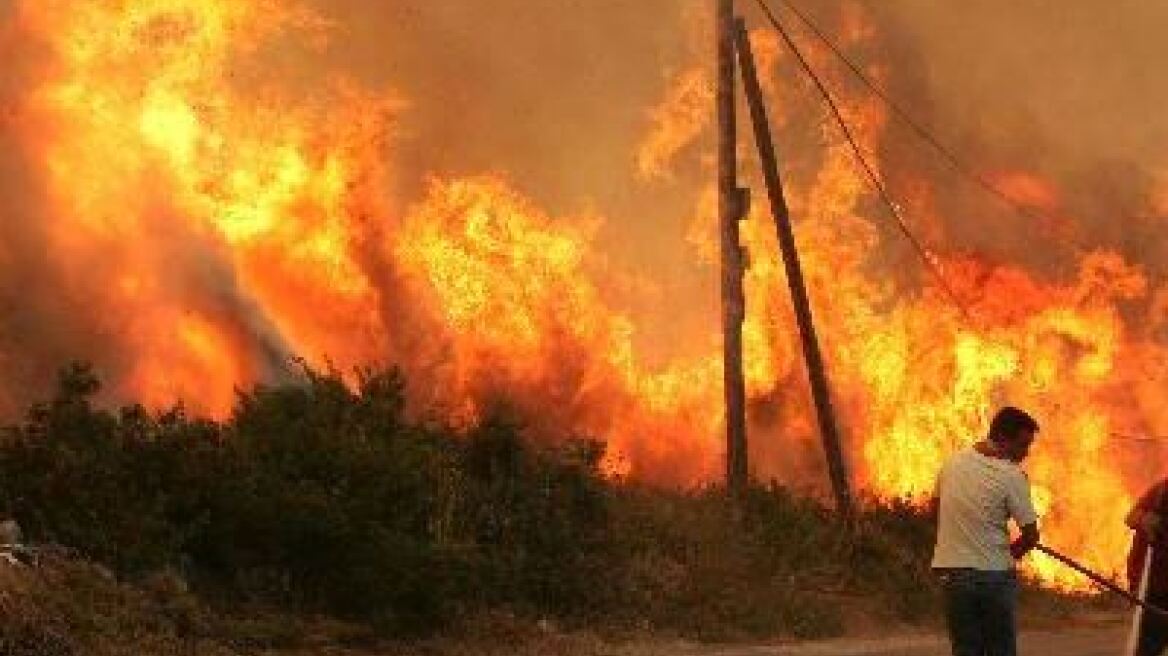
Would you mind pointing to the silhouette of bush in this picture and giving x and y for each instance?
(323, 496)
(314, 495)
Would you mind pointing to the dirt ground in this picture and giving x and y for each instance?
(1104, 635)
(1079, 642)
(1099, 634)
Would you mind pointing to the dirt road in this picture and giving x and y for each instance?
(1106, 640)
(1102, 634)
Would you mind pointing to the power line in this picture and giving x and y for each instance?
(869, 172)
(965, 170)
(874, 180)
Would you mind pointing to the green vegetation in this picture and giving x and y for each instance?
(317, 500)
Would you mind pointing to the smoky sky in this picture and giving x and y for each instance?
(1066, 90)
(1086, 74)
(555, 95)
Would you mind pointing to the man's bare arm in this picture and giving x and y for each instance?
(1026, 541)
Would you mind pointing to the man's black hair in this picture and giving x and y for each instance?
(1009, 422)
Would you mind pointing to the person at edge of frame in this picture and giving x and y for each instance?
(978, 491)
(1148, 520)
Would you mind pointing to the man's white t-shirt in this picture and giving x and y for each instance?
(978, 495)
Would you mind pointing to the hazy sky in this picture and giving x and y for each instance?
(556, 90)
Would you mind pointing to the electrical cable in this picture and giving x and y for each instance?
(869, 171)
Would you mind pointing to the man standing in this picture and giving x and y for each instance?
(1147, 567)
(979, 489)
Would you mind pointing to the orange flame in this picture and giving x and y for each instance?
(150, 147)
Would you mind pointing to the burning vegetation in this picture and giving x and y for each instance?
(197, 198)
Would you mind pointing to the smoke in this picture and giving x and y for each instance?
(1067, 92)
(556, 97)
(1081, 75)
(40, 326)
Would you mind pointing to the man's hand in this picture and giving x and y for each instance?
(1025, 542)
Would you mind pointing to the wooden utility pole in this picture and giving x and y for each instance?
(731, 209)
(815, 369)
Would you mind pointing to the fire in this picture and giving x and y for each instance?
(223, 215)
(148, 145)
(514, 307)
(1059, 360)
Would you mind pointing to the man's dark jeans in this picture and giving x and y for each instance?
(979, 608)
(1153, 628)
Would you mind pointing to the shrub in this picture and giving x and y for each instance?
(326, 497)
